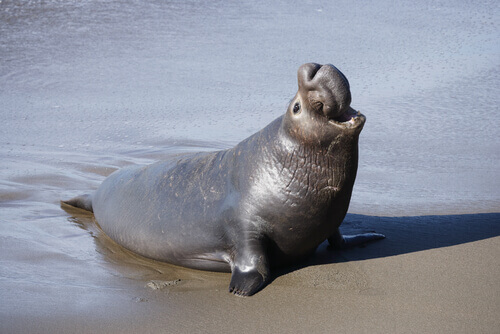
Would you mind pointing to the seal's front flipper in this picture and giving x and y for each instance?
(246, 283)
(339, 241)
(250, 270)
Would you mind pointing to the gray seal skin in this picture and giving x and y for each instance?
(269, 201)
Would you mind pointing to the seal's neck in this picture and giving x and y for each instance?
(318, 170)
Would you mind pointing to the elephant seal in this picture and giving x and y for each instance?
(269, 201)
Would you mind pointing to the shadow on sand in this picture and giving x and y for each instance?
(410, 234)
(403, 235)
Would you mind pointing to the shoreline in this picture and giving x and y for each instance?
(421, 278)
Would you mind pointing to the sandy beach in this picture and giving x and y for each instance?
(88, 87)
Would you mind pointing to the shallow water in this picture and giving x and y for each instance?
(88, 87)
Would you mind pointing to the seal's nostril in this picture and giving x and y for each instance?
(313, 71)
(306, 73)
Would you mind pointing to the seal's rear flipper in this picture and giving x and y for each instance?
(339, 241)
(82, 202)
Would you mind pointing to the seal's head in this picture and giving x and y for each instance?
(320, 112)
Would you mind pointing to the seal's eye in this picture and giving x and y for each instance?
(296, 108)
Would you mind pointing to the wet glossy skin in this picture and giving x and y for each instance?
(269, 201)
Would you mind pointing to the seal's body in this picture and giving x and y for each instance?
(270, 200)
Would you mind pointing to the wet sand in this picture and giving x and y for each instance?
(87, 88)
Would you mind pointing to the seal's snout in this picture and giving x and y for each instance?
(306, 75)
(325, 88)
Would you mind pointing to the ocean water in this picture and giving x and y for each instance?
(87, 87)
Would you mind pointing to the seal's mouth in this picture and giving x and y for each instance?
(349, 119)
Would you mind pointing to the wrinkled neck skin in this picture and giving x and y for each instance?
(324, 166)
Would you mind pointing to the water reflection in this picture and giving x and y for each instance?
(121, 262)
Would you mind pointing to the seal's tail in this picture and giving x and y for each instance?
(82, 202)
